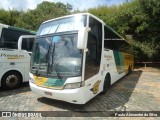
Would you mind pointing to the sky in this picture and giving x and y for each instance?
(77, 4)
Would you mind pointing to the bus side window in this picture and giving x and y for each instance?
(92, 48)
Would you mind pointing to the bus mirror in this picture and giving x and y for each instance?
(82, 37)
(24, 38)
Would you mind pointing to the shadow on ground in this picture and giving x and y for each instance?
(23, 88)
(116, 97)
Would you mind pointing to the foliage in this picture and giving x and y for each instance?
(9, 17)
(33, 18)
(139, 18)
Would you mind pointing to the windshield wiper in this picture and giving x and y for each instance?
(52, 55)
(46, 58)
(58, 75)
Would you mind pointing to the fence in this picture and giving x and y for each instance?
(147, 64)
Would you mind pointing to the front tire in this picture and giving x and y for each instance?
(106, 84)
(129, 70)
(11, 80)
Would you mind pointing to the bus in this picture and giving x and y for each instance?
(14, 55)
(76, 57)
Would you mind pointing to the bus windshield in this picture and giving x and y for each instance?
(61, 25)
(56, 56)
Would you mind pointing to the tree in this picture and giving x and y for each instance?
(44, 11)
(139, 18)
(4, 16)
(9, 17)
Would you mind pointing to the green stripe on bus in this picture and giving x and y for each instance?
(51, 82)
(22, 30)
(119, 60)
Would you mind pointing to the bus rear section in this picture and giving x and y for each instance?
(15, 58)
(14, 65)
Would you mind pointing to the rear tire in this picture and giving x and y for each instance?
(129, 70)
(106, 84)
(11, 80)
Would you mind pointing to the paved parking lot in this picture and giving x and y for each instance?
(139, 91)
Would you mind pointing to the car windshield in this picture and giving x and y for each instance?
(56, 55)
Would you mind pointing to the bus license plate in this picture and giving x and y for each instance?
(48, 93)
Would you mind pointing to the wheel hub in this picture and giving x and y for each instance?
(12, 81)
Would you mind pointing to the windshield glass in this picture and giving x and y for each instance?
(61, 25)
(56, 55)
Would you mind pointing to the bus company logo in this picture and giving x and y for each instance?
(95, 88)
(38, 78)
(9, 56)
(108, 57)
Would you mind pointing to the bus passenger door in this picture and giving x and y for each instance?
(93, 57)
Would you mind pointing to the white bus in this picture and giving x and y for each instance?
(76, 57)
(14, 55)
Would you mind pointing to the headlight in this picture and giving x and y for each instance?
(74, 85)
(31, 80)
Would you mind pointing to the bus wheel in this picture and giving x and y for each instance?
(11, 80)
(129, 70)
(106, 84)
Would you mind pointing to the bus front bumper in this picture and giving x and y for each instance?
(75, 96)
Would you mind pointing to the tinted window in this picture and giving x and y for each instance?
(114, 42)
(27, 44)
(119, 45)
(9, 38)
(109, 34)
(96, 31)
(94, 46)
(61, 25)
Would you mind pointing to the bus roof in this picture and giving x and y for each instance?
(88, 14)
(17, 28)
(21, 29)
